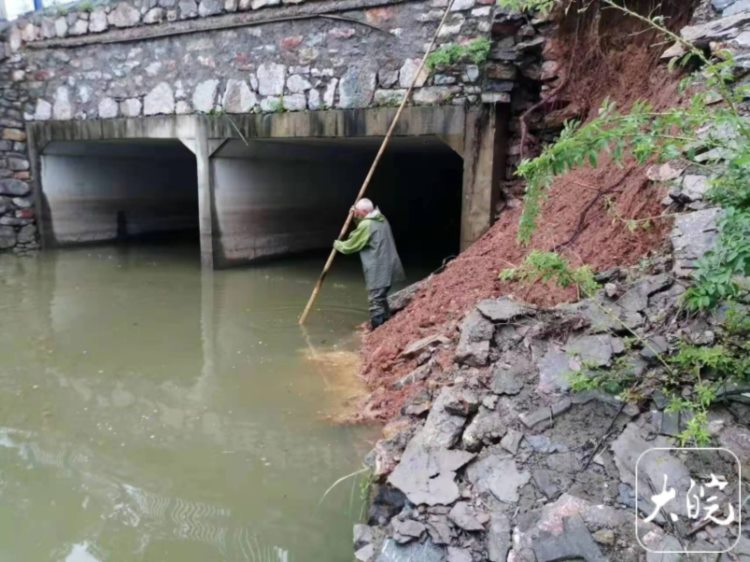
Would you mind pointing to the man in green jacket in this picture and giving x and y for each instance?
(373, 239)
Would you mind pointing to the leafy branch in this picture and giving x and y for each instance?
(642, 133)
(550, 266)
(645, 134)
(701, 130)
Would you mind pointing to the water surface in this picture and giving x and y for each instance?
(151, 412)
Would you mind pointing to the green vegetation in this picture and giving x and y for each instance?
(476, 51)
(646, 134)
(642, 133)
(550, 266)
(366, 483)
(85, 6)
(536, 6)
(63, 9)
(277, 106)
(695, 375)
(708, 371)
(616, 379)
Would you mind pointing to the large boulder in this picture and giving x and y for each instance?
(486, 427)
(574, 543)
(594, 351)
(721, 29)
(510, 373)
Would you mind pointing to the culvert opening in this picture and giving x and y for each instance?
(134, 191)
(280, 197)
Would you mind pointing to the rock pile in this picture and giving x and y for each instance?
(502, 460)
(507, 457)
(510, 464)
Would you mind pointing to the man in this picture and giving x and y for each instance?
(373, 239)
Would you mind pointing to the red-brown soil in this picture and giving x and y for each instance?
(577, 203)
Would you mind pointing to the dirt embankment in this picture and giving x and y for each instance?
(602, 55)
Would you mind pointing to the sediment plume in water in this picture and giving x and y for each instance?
(339, 374)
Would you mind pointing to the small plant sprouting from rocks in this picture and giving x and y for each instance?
(344, 478)
(551, 266)
(616, 379)
(696, 428)
(632, 225)
(277, 106)
(537, 6)
(85, 6)
(707, 371)
(695, 374)
(476, 51)
(365, 488)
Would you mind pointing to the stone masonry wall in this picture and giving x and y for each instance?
(17, 225)
(367, 58)
(139, 58)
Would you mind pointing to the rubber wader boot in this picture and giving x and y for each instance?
(377, 320)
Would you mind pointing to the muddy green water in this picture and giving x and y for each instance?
(149, 412)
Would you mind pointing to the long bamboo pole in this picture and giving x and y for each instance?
(373, 167)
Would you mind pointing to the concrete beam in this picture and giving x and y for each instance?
(442, 121)
(157, 127)
(484, 166)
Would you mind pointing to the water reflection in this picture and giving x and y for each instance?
(152, 412)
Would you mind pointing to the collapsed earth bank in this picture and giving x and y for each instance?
(495, 447)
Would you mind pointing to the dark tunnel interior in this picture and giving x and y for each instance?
(272, 198)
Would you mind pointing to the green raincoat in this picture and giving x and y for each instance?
(373, 240)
